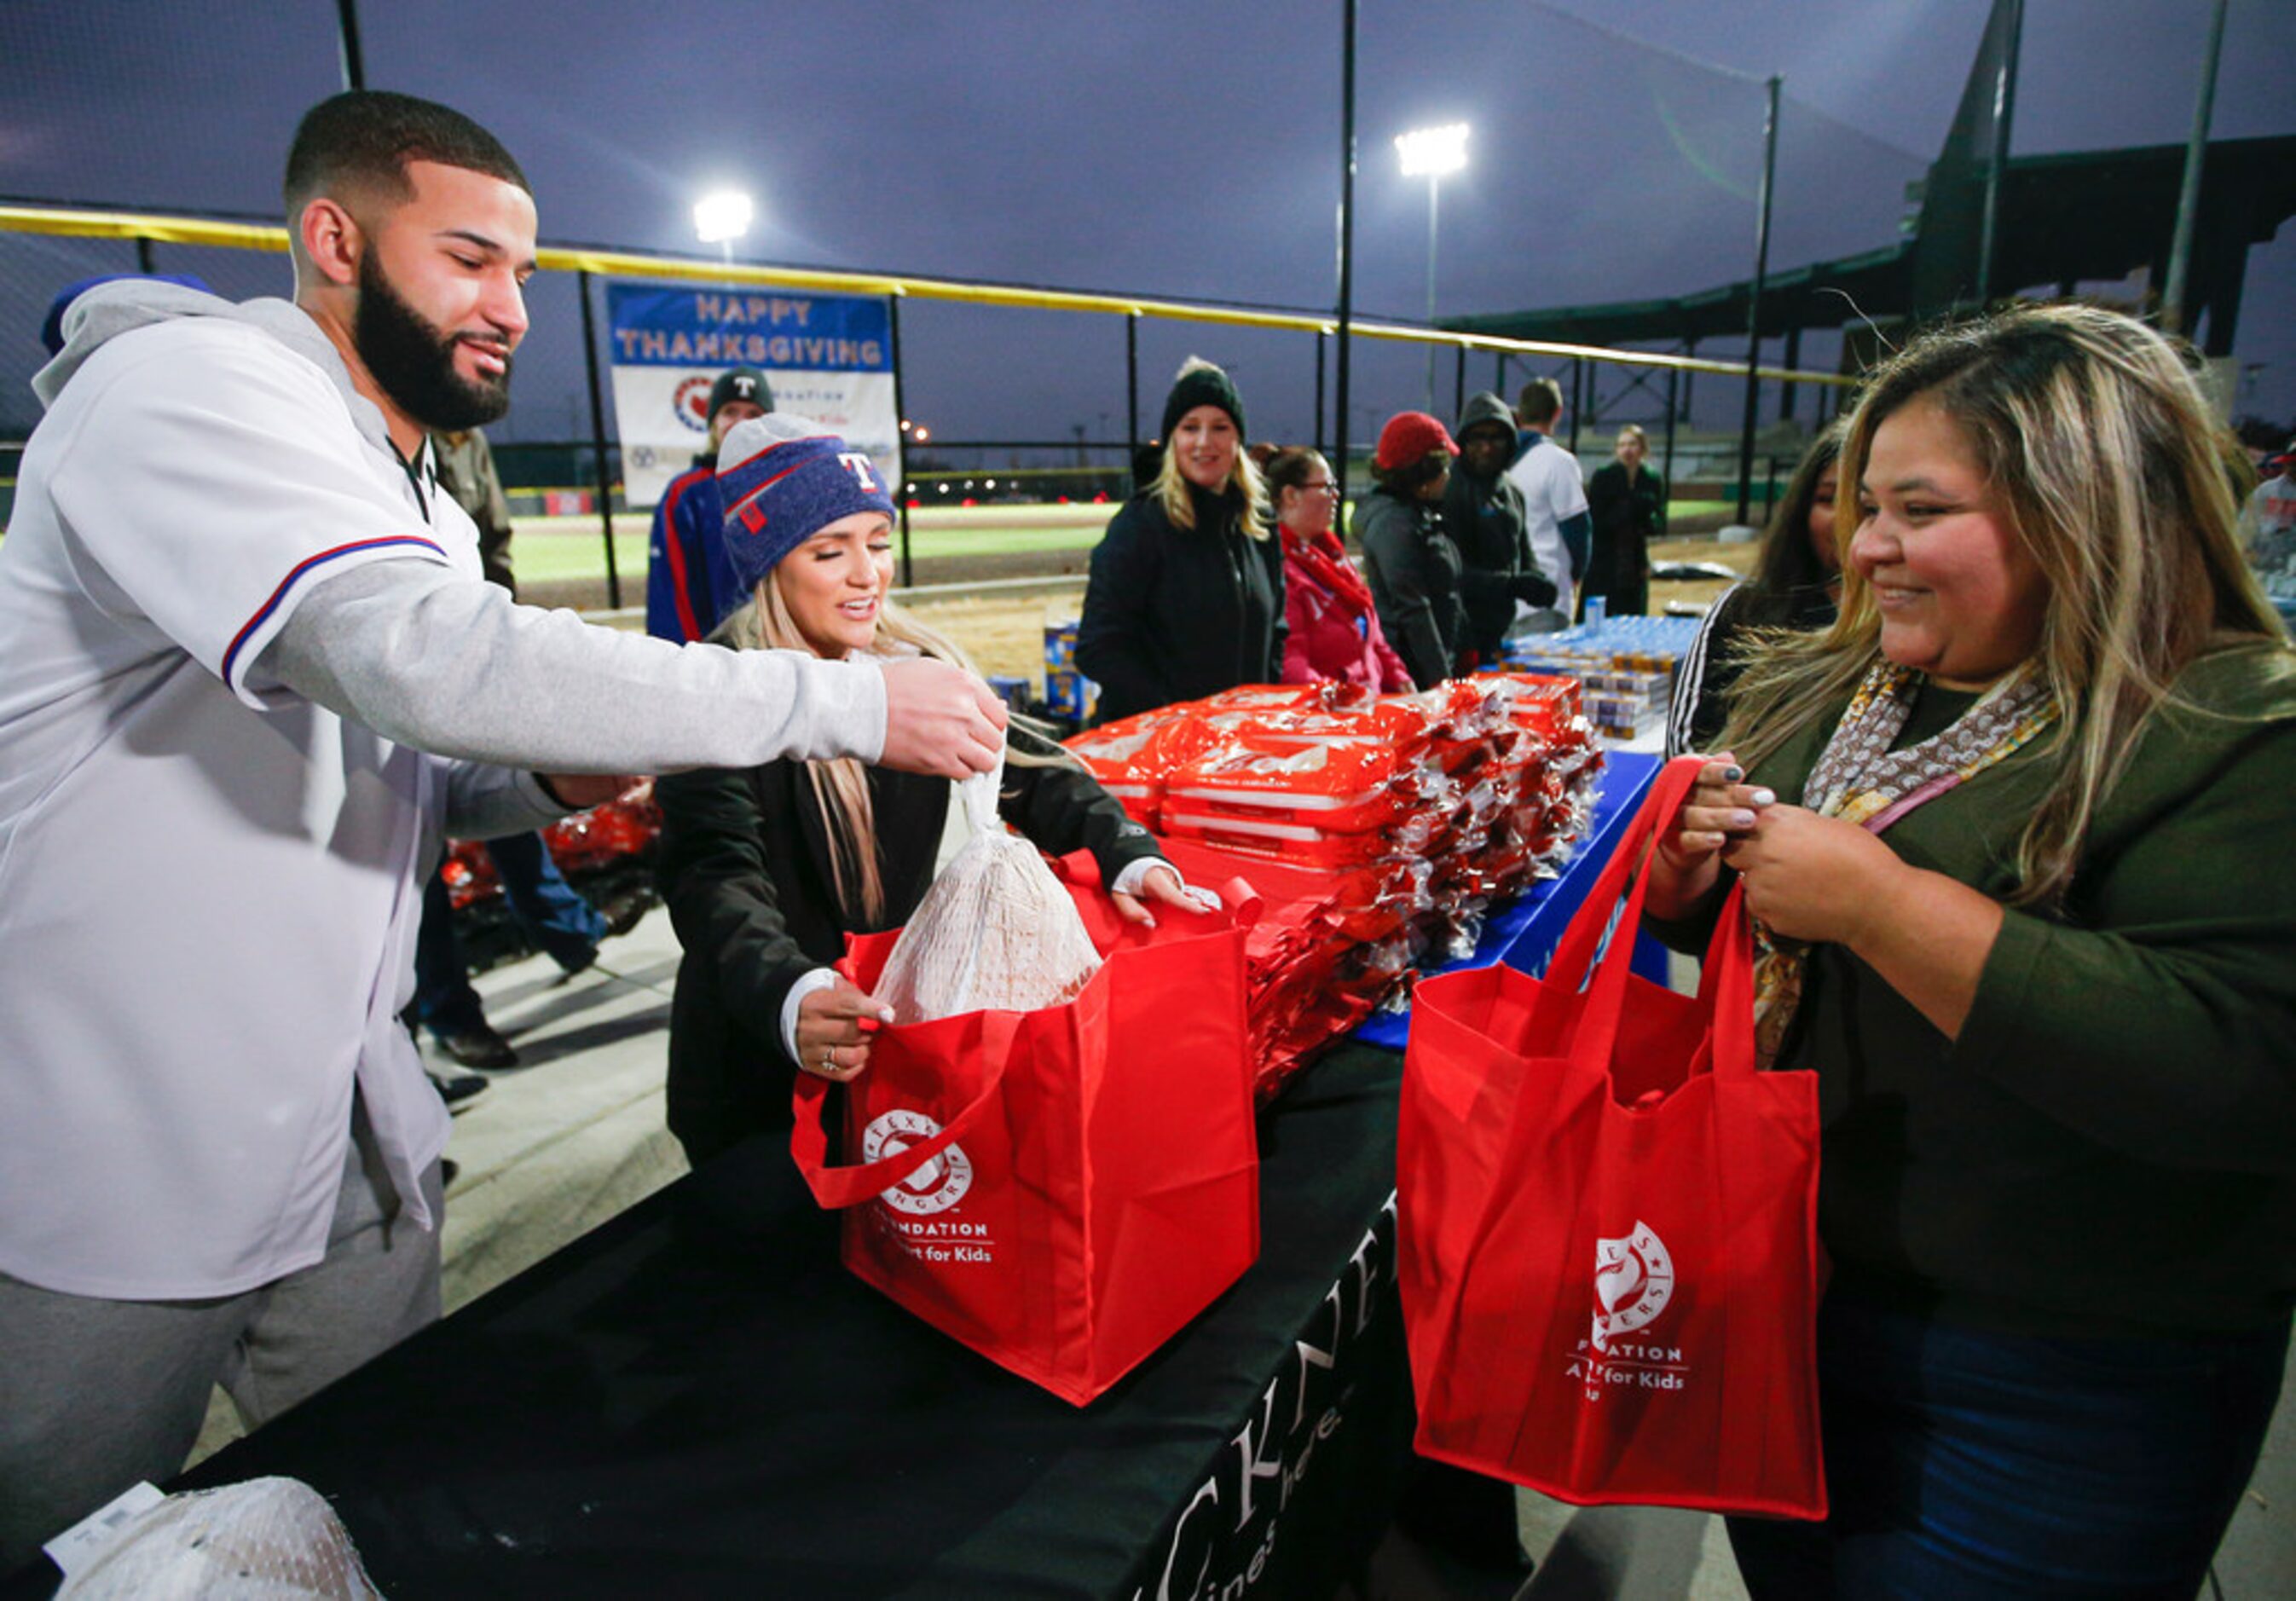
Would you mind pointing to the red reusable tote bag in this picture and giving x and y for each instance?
(1607, 1230)
(1062, 1190)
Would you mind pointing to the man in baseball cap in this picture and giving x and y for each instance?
(689, 585)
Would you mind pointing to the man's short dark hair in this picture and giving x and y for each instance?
(1541, 401)
(365, 137)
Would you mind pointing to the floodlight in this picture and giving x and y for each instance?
(1432, 151)
(722, 216)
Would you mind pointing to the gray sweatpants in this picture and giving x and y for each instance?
(95, 1394)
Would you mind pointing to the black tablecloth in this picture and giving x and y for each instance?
(696, 1399)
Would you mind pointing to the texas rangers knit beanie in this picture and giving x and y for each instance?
(739, 384)
(1201, 383)
(1408, 435)
(782, 479)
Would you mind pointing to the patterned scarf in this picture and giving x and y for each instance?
(1860, 779)
(1323, 561)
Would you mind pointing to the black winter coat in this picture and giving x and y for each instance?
(1177, 613)
(1488, 524)
(1414, 569)
(744, 867)
(1625, 517)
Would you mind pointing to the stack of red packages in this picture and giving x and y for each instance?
(583, 843)
(1131, 756)
(1377, 830)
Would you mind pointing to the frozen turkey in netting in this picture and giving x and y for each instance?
(265, 1539)
(995, 931)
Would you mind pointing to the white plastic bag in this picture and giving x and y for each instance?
(266, 1539)
(995, 930)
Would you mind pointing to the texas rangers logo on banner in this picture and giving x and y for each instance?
(829, 357)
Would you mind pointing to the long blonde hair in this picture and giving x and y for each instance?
(1244, 478)
(840, 787)
(2095, 436)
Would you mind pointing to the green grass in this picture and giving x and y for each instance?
(549, 549)
(539, 556)
(1759, 500)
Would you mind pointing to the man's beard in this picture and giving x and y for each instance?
(414, 362)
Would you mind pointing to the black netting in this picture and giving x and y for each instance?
(1184, 151)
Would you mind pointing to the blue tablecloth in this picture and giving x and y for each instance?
(1523, 932)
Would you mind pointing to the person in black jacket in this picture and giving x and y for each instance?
(1626, 500)
(766, 870)
(1408, 557)
(1796, 584)
(1483, 508)
(1186, 593)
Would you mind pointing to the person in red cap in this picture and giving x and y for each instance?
(1408, 557)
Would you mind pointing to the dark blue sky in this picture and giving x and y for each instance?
(1187, 149)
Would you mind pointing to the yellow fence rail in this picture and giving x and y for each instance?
(629, 264)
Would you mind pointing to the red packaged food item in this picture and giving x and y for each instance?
(1327, 695)
(1404, 721)
(1278, 841)
(592, 839)
(469, 874)
(1132, 757)
(1331, 786)
(1544, 704)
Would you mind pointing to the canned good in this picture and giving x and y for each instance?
(1069, 693)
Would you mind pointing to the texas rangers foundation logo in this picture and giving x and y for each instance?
(938, 1186)
(691, 402)
(1634, 1279)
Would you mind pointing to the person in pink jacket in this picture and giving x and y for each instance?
(1334, 628)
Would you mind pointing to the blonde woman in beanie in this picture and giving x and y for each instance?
(766, 869)
(1187, 592)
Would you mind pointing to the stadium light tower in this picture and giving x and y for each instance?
(721, 216)
(1431, 153)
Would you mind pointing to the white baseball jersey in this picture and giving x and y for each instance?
(207, 884)
(1553, 490)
